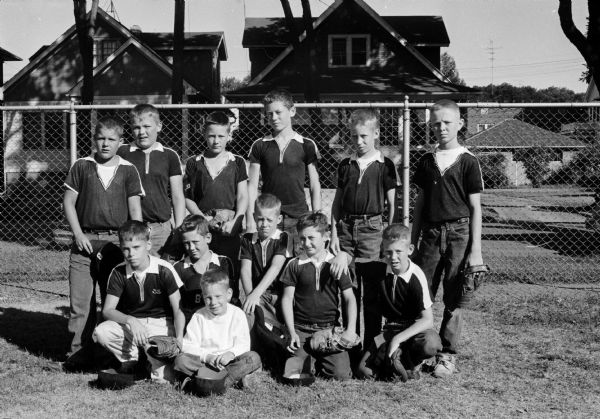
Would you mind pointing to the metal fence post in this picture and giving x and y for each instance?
(405, 163)
(73, 132)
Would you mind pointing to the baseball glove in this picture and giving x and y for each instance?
(329, 341)
(163, 347)
(474, 276)
(219, 217)
(397, 368)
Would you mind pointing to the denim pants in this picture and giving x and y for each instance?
(442, 255)
(416, 349)
(118, 339)
(229, 246)
(237, 369)
(336, 366)
(159, 232)
(288, 224)
(82, 291)
(361, 238)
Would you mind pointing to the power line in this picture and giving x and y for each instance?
(520, 65)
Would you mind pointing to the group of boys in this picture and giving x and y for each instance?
(296, 269)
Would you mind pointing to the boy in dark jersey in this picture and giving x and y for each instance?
(142, 301)
(404, 301)
(196, 240)
(447, 217)
(283, 159)
(102, 192)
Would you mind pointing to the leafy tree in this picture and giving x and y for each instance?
(232, 83)
(506, 92)
(586, 45)
(536, 161)
(493, 169)
(448, 69)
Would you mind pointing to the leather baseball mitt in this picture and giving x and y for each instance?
(474, 276)
(397, 368)
(329, 341)
(163, 347)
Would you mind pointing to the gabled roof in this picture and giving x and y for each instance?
(385, 25)
(147, 52)
(193, 40)
(8, 56)
(513, 133)
(418, 30)
(591, 94)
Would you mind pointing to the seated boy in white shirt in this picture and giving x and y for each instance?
(217, 335)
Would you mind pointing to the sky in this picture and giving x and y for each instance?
(525, 37)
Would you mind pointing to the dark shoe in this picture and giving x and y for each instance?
(80, 361)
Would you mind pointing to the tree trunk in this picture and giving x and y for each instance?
(311, 90)
(178, 44)
(588, 47)
(85, 35)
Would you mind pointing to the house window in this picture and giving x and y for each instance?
(483, 127)
(348, 50)
(103, 48)
(44, 131)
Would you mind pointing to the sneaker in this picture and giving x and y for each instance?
(445, 365)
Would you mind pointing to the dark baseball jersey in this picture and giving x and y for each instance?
(191, 292)
(284, 171)
(261, 253)
(214, 190)
(446, 193)
(403, 296)
(146, 294)
(316, 294)
(155, 167)
(364, 188)
(100, 204)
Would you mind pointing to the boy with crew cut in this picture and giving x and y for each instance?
(447, 217)
(142, 301)
(217, 336)
(216, 187)
(282, 159)
(366, 181)
(404, 300)
(102, 192)
(200, 259)
(263, 255)
(311, 298)
(160, 171)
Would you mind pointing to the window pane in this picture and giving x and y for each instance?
(338, 51)
(55, 130)
(32, 130)
(359, 51)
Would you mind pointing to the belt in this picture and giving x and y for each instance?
(462, 220)
(315, 325)
(357, 217)
(100, 232)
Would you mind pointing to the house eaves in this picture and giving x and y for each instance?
(436, 72)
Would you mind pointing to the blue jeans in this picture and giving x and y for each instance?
(159, 232)
(336, 365)
(82, 291)
(288, 224)
(361, 238)
(246, 363)
(442, 254)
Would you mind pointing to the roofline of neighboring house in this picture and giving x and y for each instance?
(371, 13)
(8, 56)
(217, 47)
(152, 55)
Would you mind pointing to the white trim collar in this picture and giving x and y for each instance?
(214, 258)
(151, 269)
(155, 147)
(375, 157)
(296, 137)
(275, 236)
(230, 156)
(303, 259)
(406, 275)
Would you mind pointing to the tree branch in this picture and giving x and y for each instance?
(573, 34)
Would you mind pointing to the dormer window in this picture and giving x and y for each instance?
(349, 50)
(103, 48)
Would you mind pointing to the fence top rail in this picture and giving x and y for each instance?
(411, 105)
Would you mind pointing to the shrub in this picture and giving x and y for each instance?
(493, 170)
(536, 161)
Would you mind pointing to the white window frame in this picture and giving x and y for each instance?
(348, 39)
(483, 127)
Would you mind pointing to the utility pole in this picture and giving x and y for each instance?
(491, 52)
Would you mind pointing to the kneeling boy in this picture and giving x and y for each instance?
(406, 305)
(218, 336)
(311, 297)
(142, 301)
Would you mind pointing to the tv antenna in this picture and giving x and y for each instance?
(112, 10)
(491, 52)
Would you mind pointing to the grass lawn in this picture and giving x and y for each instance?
(528, 351)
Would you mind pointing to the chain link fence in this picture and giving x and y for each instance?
(540, 163)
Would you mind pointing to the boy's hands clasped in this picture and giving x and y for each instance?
(219, 362)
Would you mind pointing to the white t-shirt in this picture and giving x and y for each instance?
(208, 334)
(446, 158)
